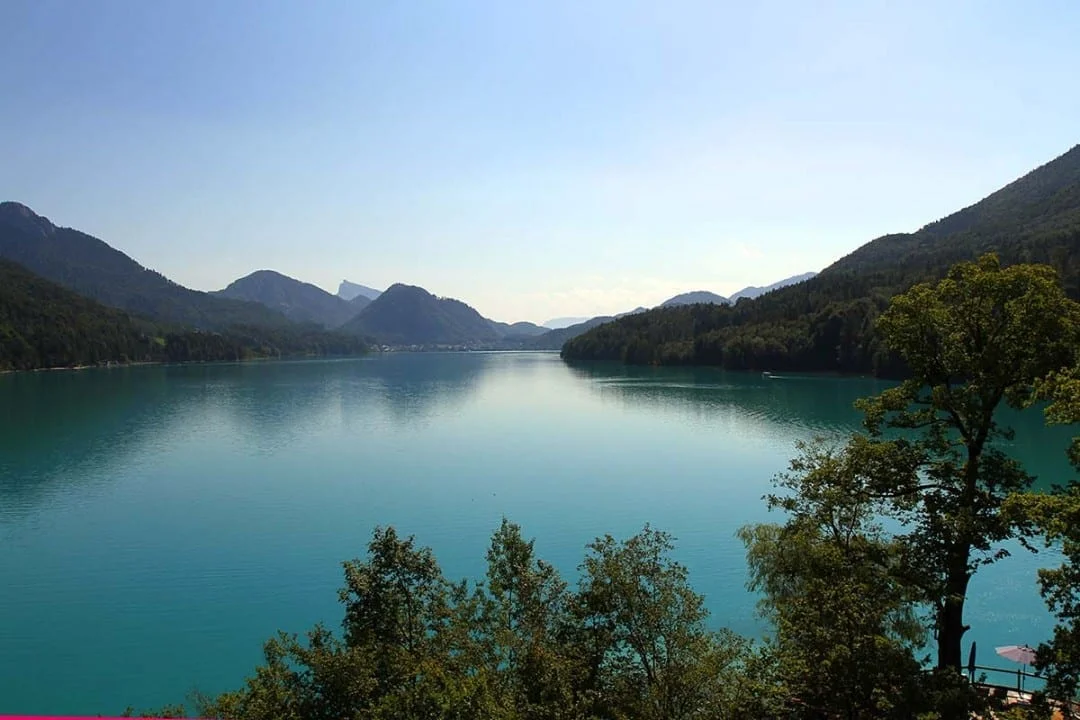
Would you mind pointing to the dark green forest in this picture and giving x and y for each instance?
(43, 325)
(826, 324)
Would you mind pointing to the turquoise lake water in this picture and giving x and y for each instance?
(157, 524)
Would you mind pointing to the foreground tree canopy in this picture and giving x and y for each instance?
(854, 610)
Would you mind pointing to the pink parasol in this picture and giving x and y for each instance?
(1017, 653)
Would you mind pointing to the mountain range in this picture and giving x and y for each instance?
(351, 291)
(558, 336)
(299, 301)
(711, 298)
(44, 325)
(561, 322)
(69, 298)
(826, 323)
(753, 292)
(692, 298)
(263, 313)
(91, 268)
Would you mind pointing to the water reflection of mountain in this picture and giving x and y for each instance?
(412, 387)
(816, 404)
(812, 404)
(64, 427)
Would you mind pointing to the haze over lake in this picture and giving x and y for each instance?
(159, 523)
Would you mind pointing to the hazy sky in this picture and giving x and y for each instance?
(534, 159)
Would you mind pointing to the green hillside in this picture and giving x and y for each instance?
(44, 325)
(409, 315)
(826, 323)
(93, 269)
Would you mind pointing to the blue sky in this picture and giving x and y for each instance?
(534, 159)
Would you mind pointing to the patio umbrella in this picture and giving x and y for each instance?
(1022, 654)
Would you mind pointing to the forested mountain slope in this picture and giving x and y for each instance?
(96, 270)
(754, 291)
(826, 323)
(410, 315)
(44, 325)
(299, 301)
(696, 296)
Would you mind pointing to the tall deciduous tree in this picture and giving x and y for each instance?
(980, 338)
(1056, 516)
(653, 656)
(528, 617)
(843, 622)
(630, 643)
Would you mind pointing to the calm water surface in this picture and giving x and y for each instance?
(158, 523)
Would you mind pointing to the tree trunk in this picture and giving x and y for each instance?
(950, 618)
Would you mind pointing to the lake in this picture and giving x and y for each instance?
(157, 524)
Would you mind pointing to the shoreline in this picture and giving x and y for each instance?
(143, 363)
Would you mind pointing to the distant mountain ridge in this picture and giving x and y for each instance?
(826, 323)
(45, 325)
(557, 337)
(410, 315)
(518, 330)
(562, 322)
(753, 292)
(91, 268)
(349, 291)
(407, 315)
(696, 296)
(299, 301)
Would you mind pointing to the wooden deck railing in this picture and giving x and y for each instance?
(1016, 678)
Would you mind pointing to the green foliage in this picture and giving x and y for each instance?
(644, 632)
(629, 643)
(44, 325)
(845, 629)
(1057, 518)
(983, 336)
(826, 324)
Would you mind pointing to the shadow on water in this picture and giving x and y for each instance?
(56, 426)
(59, 429)
(411, 388)
(813, 404)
